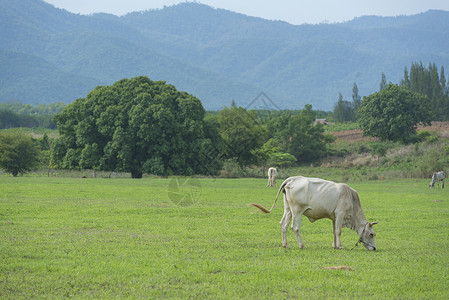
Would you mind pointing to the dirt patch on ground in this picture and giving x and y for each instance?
(436, 126)
(355, 135)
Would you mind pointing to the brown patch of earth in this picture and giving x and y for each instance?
(355, 135)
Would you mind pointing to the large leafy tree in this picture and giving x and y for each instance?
(137, 126)
(241, 134)
(297, 135)
(394, 113)
(18, 153)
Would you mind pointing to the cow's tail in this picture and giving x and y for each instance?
(281, 188)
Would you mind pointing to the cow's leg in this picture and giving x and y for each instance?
(285, 221)
(268, 184)
(333, 231)
(337, 226)
(296, 227)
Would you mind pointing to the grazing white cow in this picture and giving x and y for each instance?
(316, 199)
(272, 172)
(437, 177)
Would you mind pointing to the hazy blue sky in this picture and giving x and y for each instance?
(292, 11)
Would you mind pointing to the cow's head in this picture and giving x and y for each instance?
(367, 238)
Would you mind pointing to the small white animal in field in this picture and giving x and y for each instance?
(437, 177)
(272, 173)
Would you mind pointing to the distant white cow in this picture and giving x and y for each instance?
(316, 199)
(272, 173)
(437, 177)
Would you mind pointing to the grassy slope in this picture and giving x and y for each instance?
(120, 237)
(36, 132)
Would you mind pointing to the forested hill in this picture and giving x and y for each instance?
(51, 55)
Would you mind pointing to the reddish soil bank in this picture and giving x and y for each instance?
(355, 135)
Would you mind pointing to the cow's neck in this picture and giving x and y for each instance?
(358, 218)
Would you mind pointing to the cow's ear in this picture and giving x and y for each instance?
(373, 223)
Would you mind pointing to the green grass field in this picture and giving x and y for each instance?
(172, 238)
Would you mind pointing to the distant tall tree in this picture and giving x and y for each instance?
(420, 79)
(339, 109)
(444, 97)
(406, 81)
(443, 82)
(435, 82)
(383, 82)
(343, 110)
(356, 99)
(429, 82)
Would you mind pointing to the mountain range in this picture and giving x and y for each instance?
(50, 55)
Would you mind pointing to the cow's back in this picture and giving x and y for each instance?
(318, 198)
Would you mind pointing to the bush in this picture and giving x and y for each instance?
(18, 153)
(231, 169)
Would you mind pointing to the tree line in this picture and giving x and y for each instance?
(432, 83)
(142, 126)
(15, 114)
(429, 81)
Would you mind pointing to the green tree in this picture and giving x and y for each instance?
(383, 82)
(343, 110)
(241, 135)
(429, 82)
(137, 126)
(271, 154)
(443, 81)
(297, 135)
(356, 99)
(406, 81)
(18, 153)
(281, 159)
(393, 113)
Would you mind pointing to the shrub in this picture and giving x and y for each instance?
(18, 153)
